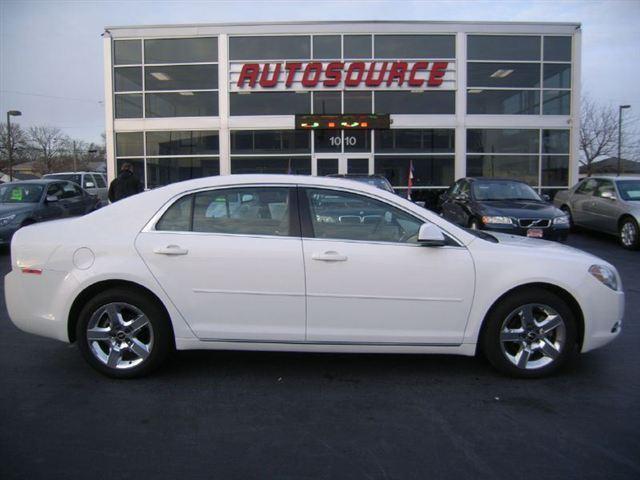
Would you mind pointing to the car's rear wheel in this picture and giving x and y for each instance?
(628, 234)
(123, 334)
(529, 334)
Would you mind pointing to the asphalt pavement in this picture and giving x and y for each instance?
(219, 415)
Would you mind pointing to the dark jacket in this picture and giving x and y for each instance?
(124, 186)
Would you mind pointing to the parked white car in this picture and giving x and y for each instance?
(269, 262)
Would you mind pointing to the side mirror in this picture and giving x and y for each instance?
(430, 235)
(608, 195)
(461, 197)
(51, 198)
(546, 197)
(89, 185)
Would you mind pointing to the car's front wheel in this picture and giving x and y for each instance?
(629, 234)
(123, 333)
(529, 334)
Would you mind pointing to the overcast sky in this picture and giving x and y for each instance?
(51, 65)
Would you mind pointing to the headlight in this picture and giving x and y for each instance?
(497, 220)
(6, 220)
(606, 275)
(563, 220)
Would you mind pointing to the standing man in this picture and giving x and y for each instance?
(125, 185)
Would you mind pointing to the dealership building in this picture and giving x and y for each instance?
(441, 100)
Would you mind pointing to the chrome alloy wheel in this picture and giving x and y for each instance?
(120, 335)
(533, 336)
(628, 234)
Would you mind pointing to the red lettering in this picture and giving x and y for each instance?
(354, 82)
(249, 72)
(375, 82)
(292, 68)
(398, 71)
(311, 68)
(437, 72)
(413, 81)
(267, 82)
(333, 74)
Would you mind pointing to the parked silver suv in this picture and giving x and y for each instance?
(606, 204)
(93, 182)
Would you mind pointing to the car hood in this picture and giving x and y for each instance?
(519, 209)
(11, 208)
(541, 246)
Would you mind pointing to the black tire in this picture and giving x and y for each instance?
(629, 243)
(490, 341)
(158, 329)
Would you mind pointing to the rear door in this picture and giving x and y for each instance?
(581, 203)
(231, 261)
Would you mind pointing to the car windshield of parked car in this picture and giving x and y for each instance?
(496, 190)
(629, 190)
(70, 177)
(21, 193)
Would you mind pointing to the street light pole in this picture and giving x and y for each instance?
(622, 107)
(11, 113)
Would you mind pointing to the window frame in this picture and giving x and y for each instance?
(294, 215)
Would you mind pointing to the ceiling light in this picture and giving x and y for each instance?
(475, 90)
(186, 94)
(160, 76)
(501, 73)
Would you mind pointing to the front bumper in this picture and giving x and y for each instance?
(553, 232)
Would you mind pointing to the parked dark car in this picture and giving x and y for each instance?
(503, 205)
(374, 180)
(24, 203)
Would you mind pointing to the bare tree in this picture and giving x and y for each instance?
(17, 142)
(598, 132)
(48, 143)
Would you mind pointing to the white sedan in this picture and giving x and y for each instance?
(269, 262)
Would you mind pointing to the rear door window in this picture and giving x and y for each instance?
(239, 211)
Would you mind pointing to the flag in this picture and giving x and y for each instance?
(410, 181)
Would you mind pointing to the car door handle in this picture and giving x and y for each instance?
(171, 250)
(329, 256)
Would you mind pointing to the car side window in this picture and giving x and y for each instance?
(55, 190)
(587, 187)
(100, 182)
(70, 190)
(348, 216)
(88, 181)
(605, 188)
(464, 188)
(241, 211)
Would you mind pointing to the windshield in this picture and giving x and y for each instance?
(507, 190)
(629, 189)
(21, 193)
(71, 177)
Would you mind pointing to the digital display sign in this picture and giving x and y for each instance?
(357, 121)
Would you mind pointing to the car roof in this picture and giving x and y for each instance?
(41, 181)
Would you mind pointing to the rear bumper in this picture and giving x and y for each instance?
(36, 303)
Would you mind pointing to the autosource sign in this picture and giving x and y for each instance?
(336, 75)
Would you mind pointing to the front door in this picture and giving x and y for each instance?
(342, 163)
(231, 262)
(369, 281)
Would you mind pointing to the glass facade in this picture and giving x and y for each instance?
(191, 106)
(175, 77)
